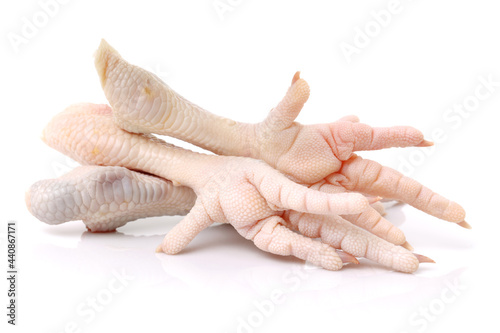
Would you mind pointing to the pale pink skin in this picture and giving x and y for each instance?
(257, 200)
(318, 156)
(246, 193)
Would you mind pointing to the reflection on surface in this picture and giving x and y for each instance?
(219, 258)
(222, 277)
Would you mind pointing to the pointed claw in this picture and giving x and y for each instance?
(407, 246)
(422, 259)
(296, 77)
(425, 143)
(465, 225)
(347, 258)
(42, 136)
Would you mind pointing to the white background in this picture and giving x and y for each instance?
(428, 58)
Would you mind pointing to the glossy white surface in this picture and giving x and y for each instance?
(220, 278)
(429, 58)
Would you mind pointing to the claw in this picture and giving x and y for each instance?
(425, 143)
(347, 258)
(465, 225)
(296, 77)
(423, 259)
(407, 246)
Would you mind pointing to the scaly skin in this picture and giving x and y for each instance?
(247, 193)
(318, 156)
(106, 198)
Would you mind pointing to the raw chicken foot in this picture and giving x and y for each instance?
(244, 192)
(318, 156)
(258, 140)
(107, 197)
